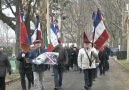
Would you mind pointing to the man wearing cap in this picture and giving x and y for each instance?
(4, 65)
(38, 70)
(86, 61)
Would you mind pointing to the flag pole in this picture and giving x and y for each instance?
(48, 19)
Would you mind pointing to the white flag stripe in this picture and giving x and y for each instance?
(39, 28)
(54, 39)
(33, 37)
(99, 30)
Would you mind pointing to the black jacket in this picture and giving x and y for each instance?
(102, 56)
(74, 55)
(24, 61)
(4, 64)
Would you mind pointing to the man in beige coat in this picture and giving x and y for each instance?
(86, 61)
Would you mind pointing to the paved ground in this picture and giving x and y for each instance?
(116, 79)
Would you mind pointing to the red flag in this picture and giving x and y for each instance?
(24, 39)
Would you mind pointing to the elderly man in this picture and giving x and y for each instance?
(4, 65)
(38, 70)
(86, 62)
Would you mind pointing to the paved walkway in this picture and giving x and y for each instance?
(116, 79)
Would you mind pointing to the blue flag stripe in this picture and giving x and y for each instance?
(98, 19)
(53, 27)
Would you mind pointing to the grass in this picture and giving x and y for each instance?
(125, 63)
(14, 75)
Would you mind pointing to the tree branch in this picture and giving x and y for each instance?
(7, 20)
(10, 8)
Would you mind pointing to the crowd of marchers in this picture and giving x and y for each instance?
(87, 59)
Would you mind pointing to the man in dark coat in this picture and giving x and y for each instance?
(4, 65)
(107, 50)
(58, 69)
(25, 69)
(102, 57)
(71, 57)
(74, 55)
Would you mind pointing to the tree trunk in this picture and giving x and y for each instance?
(17, 28)
(43, 10)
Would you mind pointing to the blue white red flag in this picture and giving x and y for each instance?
(100, 35)
(53, 38)
(38, 32)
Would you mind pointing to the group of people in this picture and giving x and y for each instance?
(87, 59)
(34, 72)
(72, 58)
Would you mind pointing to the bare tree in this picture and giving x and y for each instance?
(79, 19)
(6, 35)
(30, 7)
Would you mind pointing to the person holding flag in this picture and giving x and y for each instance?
(25, 68)
(38, 70)
(86, 61)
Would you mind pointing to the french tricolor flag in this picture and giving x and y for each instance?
(53, 38)
(100, 34)
(38, 32)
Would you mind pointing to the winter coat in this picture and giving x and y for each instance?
(102, 56)
(75, 54)
(83, 61)
(24, 61)
(107, 50)
(63, 57)
(4, 64)
(33, 55)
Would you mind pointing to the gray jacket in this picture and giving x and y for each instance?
(4, 64)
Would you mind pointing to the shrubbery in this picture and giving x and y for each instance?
(122, 55)
(8, 50)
